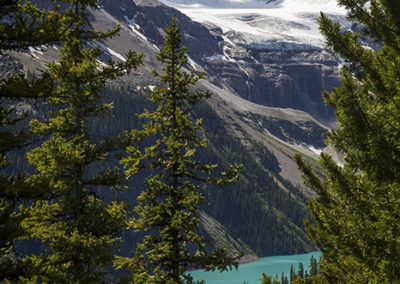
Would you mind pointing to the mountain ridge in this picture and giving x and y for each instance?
(264, 211)
(276, 74)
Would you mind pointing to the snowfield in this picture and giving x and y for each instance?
(264, 23)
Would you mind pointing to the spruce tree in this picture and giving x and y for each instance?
(22, 25)
(168, 207)
(357, 209)
(75, 229)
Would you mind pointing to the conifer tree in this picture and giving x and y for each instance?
(292, 273)
(266, 279)
(168, 207)
(357, 209)
(313, 267)
(75, 230)
(22, 25)
(300, 273)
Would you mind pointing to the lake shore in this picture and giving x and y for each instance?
(251, 268)
(247, 258)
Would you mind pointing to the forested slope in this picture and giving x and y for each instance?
(255, 210)
(263, 211)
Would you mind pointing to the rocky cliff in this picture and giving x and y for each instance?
(268, 72)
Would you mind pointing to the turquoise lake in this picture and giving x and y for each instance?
(251, 272)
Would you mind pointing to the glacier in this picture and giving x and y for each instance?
(275, 24)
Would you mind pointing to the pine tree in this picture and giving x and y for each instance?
(357, 210)
(76, 230)
(306, 278)
(284, 279)
(22, 25)
(168, 207)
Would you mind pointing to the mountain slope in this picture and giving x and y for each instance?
(263, 212)
(271, 51)
(266, 67)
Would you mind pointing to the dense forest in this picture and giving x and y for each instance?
(96, 177)
(356, 210)
(73, 180)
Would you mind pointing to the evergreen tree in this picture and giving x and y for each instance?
(284, 279)
(168, 207)
(292, 273)
(314, 266)
(301, 270)
(356, 211)
(75, 230)
(266, 279)
(306, 278)
(22, 25)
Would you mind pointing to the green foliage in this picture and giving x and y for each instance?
(168, 207)
(58, 207)
(237, 208)
(357, 210)
(21, 25)
(255, 199)
(304, 276)
(266, 279)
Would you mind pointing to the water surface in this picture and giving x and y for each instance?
(251, 272)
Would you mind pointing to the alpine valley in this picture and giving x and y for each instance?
(265, 64)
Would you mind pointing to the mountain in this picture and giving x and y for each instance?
(264, 23)
(266, 81)
(270, 53)
(293, 77)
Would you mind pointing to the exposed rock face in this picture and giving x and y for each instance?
(151, 17)
(278, 78)
(307, 132)
(271, 75)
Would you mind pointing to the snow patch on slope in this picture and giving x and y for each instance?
(135, 28)
(264, 23)
(35, 51)
(109, 51)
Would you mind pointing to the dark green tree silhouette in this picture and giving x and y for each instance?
(75, 230)
(168, 207)
(22, 25)
(266, 279)
(357, 209)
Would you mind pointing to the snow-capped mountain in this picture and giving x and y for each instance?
(266, 69)
(264, 22)
(276, 90)
(264, 91)
(267, 52)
